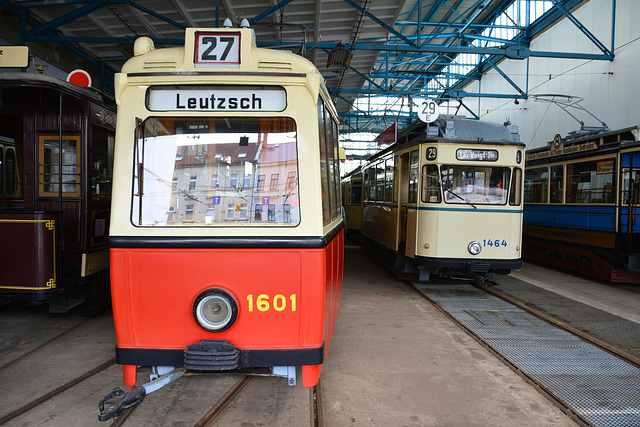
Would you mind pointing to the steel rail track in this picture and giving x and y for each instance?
(57, 391)
(316, 396)
(122, 418)
(316, 401)
(43, 345)
(563, 325)
(223, 402)
(529, 379)
(575, 407)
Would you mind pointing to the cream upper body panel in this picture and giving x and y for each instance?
(253, 67)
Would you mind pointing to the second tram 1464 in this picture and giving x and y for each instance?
(227, 232)
(444, 200)
(581, 204)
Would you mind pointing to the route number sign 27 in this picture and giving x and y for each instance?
(217, 50)
(428, 111)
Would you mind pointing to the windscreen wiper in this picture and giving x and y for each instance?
(461, 198)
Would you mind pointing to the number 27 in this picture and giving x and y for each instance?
(212, 41)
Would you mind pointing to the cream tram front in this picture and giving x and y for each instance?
(445, 199)
(226, 239)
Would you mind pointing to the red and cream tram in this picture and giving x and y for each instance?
(227, 233)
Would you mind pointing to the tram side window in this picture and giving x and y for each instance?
(380, 182)
(430, 184)
(372, 183)
(346, 193)
(331, 158)
(414, 160)
(591, 181)
(536, 184)
(388, 180)
(337, 211)
(59, 158)
(515, 194)
(356, 192)
(630, 178)
(171, 153)
(324, 166)
(10, 185)
(101, 169)
(396, 188)
(557, 179)
(328, 139)
(365, 185)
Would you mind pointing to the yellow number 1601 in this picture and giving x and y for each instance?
(264, 303)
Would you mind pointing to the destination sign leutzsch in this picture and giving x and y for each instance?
(216, 98)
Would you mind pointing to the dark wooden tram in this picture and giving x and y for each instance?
(581, 204)
(56, 157)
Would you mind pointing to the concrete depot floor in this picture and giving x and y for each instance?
(395, 360)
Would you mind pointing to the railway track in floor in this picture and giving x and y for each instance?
(56, 392)
(43, 345)
(68, 394)
(208, 419)
(225, 403)
(594, 385)
(44, 355)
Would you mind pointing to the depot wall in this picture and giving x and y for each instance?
(611, 89)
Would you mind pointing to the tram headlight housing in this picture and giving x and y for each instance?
(215, 310)
(474, 247)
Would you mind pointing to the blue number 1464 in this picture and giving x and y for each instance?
(496, 243)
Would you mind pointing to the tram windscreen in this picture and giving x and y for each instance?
(216, 172)
(475, 184)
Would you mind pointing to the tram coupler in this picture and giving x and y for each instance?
(118, 400)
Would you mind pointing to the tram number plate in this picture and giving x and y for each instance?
(217, 49)
(278, 302)
(496, 243)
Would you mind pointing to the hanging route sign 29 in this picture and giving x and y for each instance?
(428, 111)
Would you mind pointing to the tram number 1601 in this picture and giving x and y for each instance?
(265, 303)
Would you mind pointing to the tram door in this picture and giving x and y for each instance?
(404, 200)
(630, 200)
(408, 203)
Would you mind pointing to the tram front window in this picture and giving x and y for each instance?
(475, 184)
(211, 172)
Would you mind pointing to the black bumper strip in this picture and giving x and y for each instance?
(216, 242)
(462, 263)
(248, 358)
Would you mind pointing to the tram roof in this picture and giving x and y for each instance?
(19, 79)
(454, 129)
(589, 144)
(384, 48)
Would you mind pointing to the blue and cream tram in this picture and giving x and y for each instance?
(581, 204)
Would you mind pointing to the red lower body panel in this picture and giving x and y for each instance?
(287, 299)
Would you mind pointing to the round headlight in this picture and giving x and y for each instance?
(475, 248)
(215, 310)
